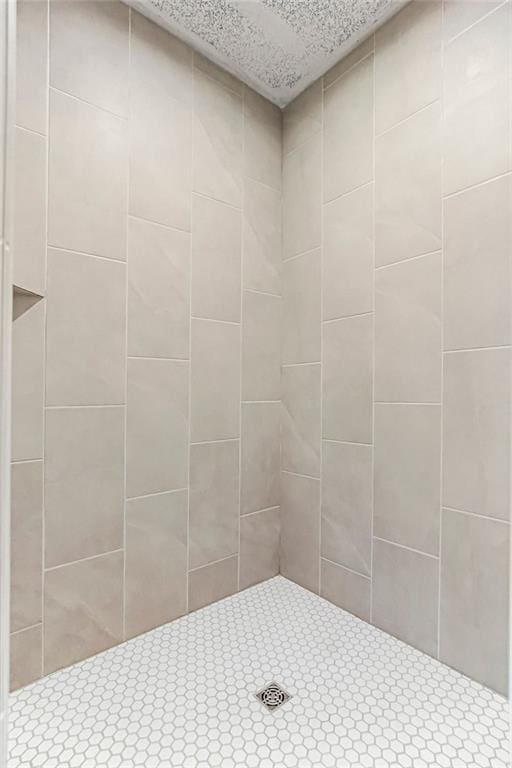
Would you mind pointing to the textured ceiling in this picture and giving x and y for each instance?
(276, 46)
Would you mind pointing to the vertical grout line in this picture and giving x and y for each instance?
(321, 256)
(441, 133)
(242, 178)
(372, 489)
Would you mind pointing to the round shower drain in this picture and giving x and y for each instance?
(272, 696)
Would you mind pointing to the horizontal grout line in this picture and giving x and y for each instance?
(216, 200)
(402, 402)
(409, 258)
(26, 461)
(349, 69)
(474, 24)
(213, 562)
(476, 514)
(349, 192)
(88, 103)
(214, 320)
(302, 253)
(61, 249)
(165, 359)
(71, 407)
(346, 442)
(475, 349)
(156, 493)
(26, 629)
(260, 402)
(300, 474)
(216, 80)
(348, 317)
(159, 224)
(257, 511)
(212, 442)
(295, 365)
(84, 559)
(405, 119)
(263, 293)
(346, 568)
(276, 190)
(302, 143)
(477, 185)
(31, 130)
(409, 549)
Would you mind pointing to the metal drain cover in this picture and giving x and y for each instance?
(272, 696)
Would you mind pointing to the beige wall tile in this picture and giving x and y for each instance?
(458, 15)
(218, 141)
(83, 610)
(407, 62)
(348, 254)
(346, 589)
(262, 139)
(407, 475)
(87, 178)
(89, 52)
(158, 290)
(156, 426)
(408, 331)
(476, 439)
(212, 582)
(476, 98)
(299, 552)
(303, 117)
(156, 561)
(300, 419)
(215, 381)
(405, 595)
(25, 657)
(478, 246)
(261, 347)
(84, 483)
(348, 61)
(29, 232)
(216, 260)
(261, 238)
(28, 384)
(259, 547)
(31, 64)
(348, 131)
(214, 501)
(217, 73)
(302, 198)
(85, 330)
(26, 544)
(408, 188)
(347, 379)
(474, 597)
(260, 456)
(301, 309)
(347, 505)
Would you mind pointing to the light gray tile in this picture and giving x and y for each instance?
(300, 421)
(477, 265)
(476, 439)
(261, 347)
(348, 131)
(217, 73)
(303, 117)
(26, 543)
(348, 254)
(346, 589)
(408, 331)
(32, 64)
(87, 178)
(300, 530)
(83, 610)
(215, 381)
(408, 188)
(214, 502)
(84, 483)
(212, 582)
(474, 598)
(259, 547)
(89, 52)
(262, 139)
(407, 475)
(458, 15)
(261, 237)
(405, 595)
(347, 379)
(158, 290)
(301, 309)
(85, 330)
(348, 61)
(260, 456)
(407, 62)
(25, 652)
(302, 198)
(156, 561)
(156, 426)
(28, 384)
(216, 260)
(347, 505)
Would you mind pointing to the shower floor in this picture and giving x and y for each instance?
(183, 695)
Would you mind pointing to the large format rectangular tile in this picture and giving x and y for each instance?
(408, 308)
(259, 547)
(458, 15)
(474, 597)
(216, 260)
(83, 610)
(300, 422)
(348, 131)
(158, 290)
(261, 347)
(156, 426)
(85, 330)
(303, 117)
(300, 530)
(261, 237)
(302, 198)
(347, 505)
(476, 432)
(32, 64)
(214, 501)
(347, 589)
(407, 475)
(262, 139)
(347, 379)
(25, 656)
(302, 309)
(212, 582)
(87, 178)
(84, 483)
(156, 561)
(260, 456)
(26, 543)
(215, 381)
(28, 373)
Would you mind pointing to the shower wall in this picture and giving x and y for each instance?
(146, 382)
(397, 215)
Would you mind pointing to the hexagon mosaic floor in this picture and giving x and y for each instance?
(183, 695)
